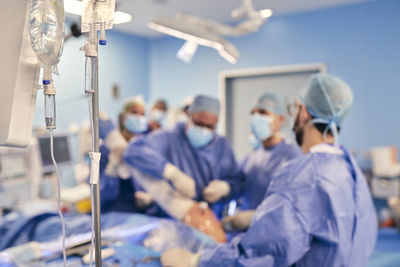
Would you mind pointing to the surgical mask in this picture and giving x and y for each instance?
(261, 126)
(135, 123)
(157, 116)
(254, 142)
(199, 136)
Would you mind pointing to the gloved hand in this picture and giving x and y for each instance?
(143, 199)
(239, 221)
(182, 182)
(216, 190)
(113, 164)
(112, 137)
(178, 257)
(105, 125)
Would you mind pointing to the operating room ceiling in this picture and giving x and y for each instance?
(145, 10)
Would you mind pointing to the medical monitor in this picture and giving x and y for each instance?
(16, 176)
(62, 152)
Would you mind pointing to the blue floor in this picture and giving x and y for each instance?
(387, 250)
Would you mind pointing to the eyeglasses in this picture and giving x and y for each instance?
(200, 124)
(203, 125)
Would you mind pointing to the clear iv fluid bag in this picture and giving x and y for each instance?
(97, 12)
(46, 24)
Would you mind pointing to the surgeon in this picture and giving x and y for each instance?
(267, 119)
(132, 119)
(199, 163)
(318, 210)
(158, 115)
(118, 192)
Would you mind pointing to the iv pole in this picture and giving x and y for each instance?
(97, 18)
(96, 187)
(92, 89)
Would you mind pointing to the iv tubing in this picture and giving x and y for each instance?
(58, 196)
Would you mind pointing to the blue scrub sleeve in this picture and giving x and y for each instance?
(147, 154)
(229, 172)
(109, 188)
(276, 237)
(236, 184)
(239, 185)
(105, 128)
(103, 158)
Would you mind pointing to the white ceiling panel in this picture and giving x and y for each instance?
(145, 10)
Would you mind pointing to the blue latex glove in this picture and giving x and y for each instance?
(105, 127)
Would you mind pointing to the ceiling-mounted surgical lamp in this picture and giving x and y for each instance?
(208, 33)
(196, 36)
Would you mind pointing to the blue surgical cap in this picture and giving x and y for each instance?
(205, 103)
(328, 98)
(271, 102)
(134, 101)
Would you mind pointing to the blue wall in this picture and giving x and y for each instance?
(124, 61)
(360, 43)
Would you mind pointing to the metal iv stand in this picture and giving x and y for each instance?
(95, 146)
(92, 89)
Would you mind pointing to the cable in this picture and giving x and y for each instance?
(58, 196)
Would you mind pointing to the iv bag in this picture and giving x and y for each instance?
(97, 12)
(46, 24)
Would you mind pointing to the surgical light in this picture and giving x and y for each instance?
(75, 7)
(266, 13)
(187, 51)
(210, 33)
(122, 17)
(225, 49)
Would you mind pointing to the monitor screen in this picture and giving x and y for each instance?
(61, 151)
(13, 166)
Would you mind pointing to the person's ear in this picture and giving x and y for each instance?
(279, 121)
(305, 115)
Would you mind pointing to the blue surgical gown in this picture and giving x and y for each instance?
(216, 160)
(117, 194)
(259, 166)
(317, 212)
